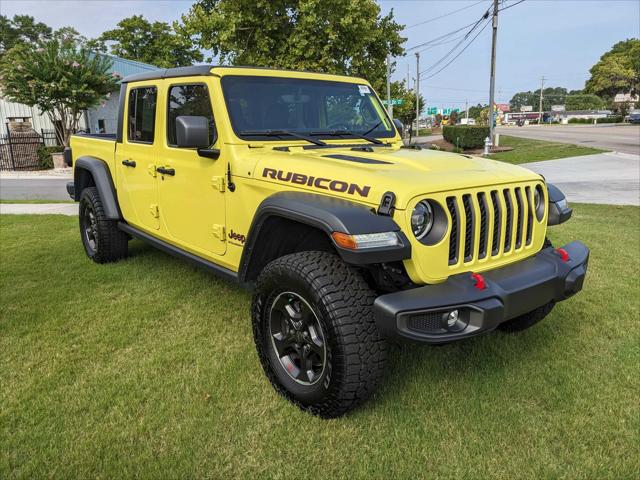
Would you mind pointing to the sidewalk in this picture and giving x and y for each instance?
(607, 178)
(38, 174)
(39, 208)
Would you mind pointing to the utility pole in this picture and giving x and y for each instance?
(389, 104)
(466, 109)
(540, 107)
(492, 85)
(408, 77)
(418, 92)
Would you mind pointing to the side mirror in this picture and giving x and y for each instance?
(399, 126)
(193, 132)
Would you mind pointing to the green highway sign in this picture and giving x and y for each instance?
(395, 101)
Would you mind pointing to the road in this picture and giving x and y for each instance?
(618, 138)
(40, 188)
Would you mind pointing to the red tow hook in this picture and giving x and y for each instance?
(479, 279)
(563, 254)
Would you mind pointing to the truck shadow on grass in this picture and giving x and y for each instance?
(480, 369)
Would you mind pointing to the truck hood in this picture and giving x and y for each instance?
(364, 176)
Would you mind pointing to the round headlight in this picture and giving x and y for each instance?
(422, 219)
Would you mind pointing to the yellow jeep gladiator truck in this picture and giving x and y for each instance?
(298, 186)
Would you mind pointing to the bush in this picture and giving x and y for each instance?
(616, 119)
(465, 136)
(44, 156)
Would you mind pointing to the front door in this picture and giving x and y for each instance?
(192, 195)
(136, 160)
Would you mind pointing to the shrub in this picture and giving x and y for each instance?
(616, 119)
(44, 156)
(465, 136)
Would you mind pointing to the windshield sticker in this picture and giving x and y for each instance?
(364, 90)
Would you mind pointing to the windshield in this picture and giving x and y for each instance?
(323, 109)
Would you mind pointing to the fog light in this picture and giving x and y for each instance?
(452, 318)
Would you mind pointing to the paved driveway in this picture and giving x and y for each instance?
(611, 178)
(619, 138)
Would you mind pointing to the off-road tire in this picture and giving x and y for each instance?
(342, 302)
(527, 320)
(109, 243)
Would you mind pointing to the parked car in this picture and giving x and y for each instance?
(634, 116)
(298, 186)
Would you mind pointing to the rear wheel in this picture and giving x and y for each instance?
(102, 240)
(315, 334)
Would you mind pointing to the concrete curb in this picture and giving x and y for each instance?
(68, 209)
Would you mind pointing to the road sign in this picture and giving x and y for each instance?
(557, 108)
(396, 101)
(526, 108)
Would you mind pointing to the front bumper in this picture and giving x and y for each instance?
(421, 314)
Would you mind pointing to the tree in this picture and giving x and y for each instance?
(157, 43)
(550, 96)
(60, 77)
(475, 112)
(332, 36)
(617, 71)
(405, 112)
(585, 101)
(21, 29)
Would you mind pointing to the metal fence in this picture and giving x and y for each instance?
(19, 150)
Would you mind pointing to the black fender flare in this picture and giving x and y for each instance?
(101, 174)
(559, 211)
(327, 215)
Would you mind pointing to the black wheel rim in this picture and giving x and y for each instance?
(297, 338)
(90, 227)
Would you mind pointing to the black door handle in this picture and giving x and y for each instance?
(129, 163)
(166, 171)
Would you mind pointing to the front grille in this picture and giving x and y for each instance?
(490, 223)
(428, 322)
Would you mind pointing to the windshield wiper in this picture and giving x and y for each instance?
(281, 133)
(340, 133)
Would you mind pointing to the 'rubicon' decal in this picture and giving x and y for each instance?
(317, 182)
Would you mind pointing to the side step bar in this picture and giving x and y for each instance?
(221, 272)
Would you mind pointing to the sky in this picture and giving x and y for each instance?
(557, 39)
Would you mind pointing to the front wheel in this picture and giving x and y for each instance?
(315, 334)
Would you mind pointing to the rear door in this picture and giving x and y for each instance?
(192, 198)
(136, 158)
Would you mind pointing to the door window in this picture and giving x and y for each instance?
(188, 100)
(142, 114)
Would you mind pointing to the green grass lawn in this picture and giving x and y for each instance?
(528, 150)
(146, 368)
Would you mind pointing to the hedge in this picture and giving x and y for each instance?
(465, 136)
(44, 156)
(617, 119)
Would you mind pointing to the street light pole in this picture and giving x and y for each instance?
(389, 105)
(540, 106)
(492, 85)
(418, 92)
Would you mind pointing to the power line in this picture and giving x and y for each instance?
(429, 42)
(509, 6)
(443, 16)
(444, 57)
(458, 54)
